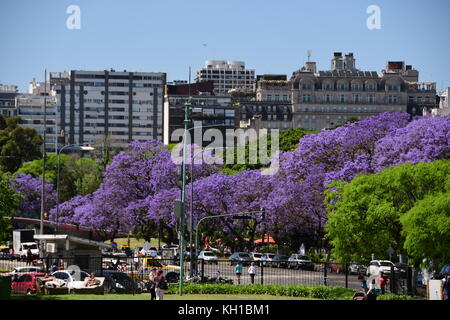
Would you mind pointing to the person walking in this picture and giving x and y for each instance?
(446, 288)
(382, 281)
(364, 285)
(252, 272)
(160, 285)
(29, 257)
(151, 283)
(238, 271)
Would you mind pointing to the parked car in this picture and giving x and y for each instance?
(256, 257)
(279, 261)
(208, 257)
(242, 257)
(402, 269)
(298, 261)
(73, 279)
(355, 268)
(377, 266)
(445, 271)
(336, 267)
(119, 282)
(25, 283)
(267, 258)
(19, 271)
(171, 272)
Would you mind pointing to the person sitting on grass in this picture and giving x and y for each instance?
(91, 281)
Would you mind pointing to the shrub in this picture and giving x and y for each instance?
(316, 292)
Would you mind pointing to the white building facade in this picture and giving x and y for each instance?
(120, 106)
(227, 75)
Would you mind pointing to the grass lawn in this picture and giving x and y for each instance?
(147, 297)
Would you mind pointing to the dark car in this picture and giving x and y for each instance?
(119, 282)
(402, 269)
(445, 271)
(279, 261)
(242, 257)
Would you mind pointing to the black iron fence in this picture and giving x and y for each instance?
(131, 275)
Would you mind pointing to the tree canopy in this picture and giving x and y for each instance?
(369, 214)
(17, 144)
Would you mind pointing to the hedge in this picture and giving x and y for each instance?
(316, 292)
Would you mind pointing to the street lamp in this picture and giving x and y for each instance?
(71, 147)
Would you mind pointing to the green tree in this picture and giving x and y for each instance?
(288, 141)
(426, 228)
(9, 203)
(364, 215)
(78, 176)
(17, 144)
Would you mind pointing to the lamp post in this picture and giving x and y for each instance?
(73, 148)
(186, 121)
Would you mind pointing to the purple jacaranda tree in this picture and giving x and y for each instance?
(141, 171)
(424, 140)
(297, 200)
(30, 188)
(216, 194)
(66, 212)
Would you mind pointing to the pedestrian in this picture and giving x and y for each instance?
(363, 281)
(252, 272)
(446, 288)
(160, 285)
(151, 283)
(53, 268)
(238, 271)
(29, 256)
(382, 281)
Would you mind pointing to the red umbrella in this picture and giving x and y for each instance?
(267, 239)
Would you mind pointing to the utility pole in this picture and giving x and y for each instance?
(41, 229)
(183, 188)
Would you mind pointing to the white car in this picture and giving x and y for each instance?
(256, 257)
(74, 279)
(24, 246)
(17, 272)
(267, 258)
(208, 257)
(377, 266)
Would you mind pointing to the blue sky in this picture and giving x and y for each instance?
(270, 36)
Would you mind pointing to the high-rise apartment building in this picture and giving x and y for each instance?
(227, 75)
(120, 106)
(30, 108)
(8, 95)
(208, 110)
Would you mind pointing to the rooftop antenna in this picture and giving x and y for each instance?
(309, 52)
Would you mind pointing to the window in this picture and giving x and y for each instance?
(306, 98)
(342, 98)
(392, 87)
(269, 97)
(328, 98)
(306, 86)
